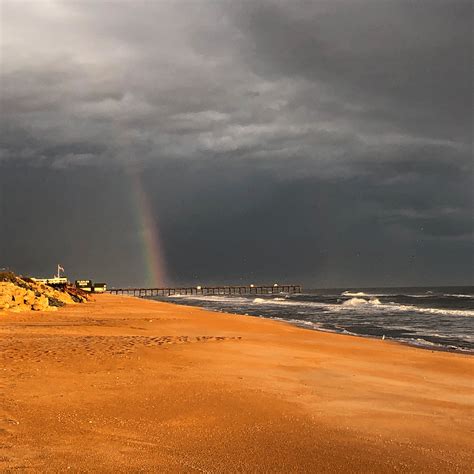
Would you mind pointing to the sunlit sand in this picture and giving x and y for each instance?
(123, 384)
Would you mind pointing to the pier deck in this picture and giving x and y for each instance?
(209, 290)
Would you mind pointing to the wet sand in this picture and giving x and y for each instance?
(128, 385)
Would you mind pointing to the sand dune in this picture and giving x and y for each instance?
(127, 385)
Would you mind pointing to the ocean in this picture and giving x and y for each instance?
(439, 318)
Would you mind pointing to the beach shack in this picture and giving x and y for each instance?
(84, 285)
(90, 287)
(100, 287)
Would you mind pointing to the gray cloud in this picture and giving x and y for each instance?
(299, 135)
(408, 62)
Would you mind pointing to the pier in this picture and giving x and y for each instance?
(209, 290)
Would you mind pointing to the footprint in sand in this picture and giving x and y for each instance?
(38, 349)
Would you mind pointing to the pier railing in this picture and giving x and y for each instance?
(209, 290)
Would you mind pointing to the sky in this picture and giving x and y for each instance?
(325, 142)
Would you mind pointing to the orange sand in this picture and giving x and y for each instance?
(128, 385)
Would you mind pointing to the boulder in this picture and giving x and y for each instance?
(30, 297)
(6, 295)
(41, 304)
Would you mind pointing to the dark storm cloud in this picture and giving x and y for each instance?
(327, 141)
(408, 61)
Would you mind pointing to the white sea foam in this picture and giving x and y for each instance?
(302, 322)
(458, 295)
(352, 293)
(354, 302)
(361, 304)
(407, 323)
(425, 333)
(431, 295)
(361, 301)
(424, 343)
(416, 341)
(444, 312)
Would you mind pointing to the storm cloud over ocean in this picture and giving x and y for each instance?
(328, 143)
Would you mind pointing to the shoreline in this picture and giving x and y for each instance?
(125, 384)
(467, 352)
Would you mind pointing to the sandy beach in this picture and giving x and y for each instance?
(128, 385)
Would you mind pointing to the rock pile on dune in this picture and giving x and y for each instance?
(23, 294)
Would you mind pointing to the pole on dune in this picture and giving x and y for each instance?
(60, 268)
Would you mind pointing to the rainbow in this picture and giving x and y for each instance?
(152, 255)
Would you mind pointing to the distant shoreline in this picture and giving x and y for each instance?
(189, 302)
(123, 383)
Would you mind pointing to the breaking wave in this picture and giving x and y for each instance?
(352, 293)
(361, 301)
(458, 296)
(366, 304)
(441, 318)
